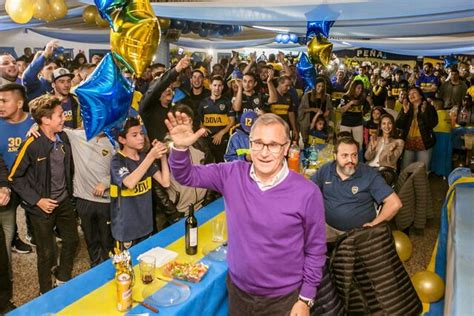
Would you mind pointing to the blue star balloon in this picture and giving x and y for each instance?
(318, 28)
(179, 95)
(105, 98)
(106, 7)
(306, 71)
(450, 61)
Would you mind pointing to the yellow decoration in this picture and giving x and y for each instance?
(320, 50)
(137, 35)
(41, 9)
(58, 8)
(403, 245)
(20, 11)
(89, 14)
(428, 285)
(164, 23)
(100, 21)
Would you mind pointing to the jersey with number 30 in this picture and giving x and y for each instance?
(11, 136)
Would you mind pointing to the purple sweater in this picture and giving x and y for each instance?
(277, 238)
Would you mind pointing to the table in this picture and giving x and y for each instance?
(93, 292)
(452, 257)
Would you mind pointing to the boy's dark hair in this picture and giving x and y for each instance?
(157, 65)
(43, 106)
(217, 77)
(347, 140)
(129, 123)
(18, 88)
(183, 108)
(283, 78)
(251, 74)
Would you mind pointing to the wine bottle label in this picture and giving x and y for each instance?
(193, 237)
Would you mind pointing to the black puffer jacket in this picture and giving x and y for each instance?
(426, 122)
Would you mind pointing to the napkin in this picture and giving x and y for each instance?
(162, 256)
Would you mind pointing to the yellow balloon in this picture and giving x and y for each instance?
(100, 21)
(7, 6)
(58, 8)
(20, 11)
(135, 35)
(89, 14)
(164, 23)
(403, 245)
(41, 9)
(320, 50)
(428, 285)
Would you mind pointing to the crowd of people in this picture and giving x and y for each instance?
(250, 110)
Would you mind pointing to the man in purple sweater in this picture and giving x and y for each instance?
(275, 219)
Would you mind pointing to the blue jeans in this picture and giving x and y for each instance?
(410, 156)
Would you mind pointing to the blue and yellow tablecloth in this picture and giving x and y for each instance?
(452, 258)
(94, 291)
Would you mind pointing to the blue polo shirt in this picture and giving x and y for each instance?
(349, 204)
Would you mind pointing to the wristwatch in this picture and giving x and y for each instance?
(308, 302)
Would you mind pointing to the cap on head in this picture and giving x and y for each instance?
(62, 72)
(247, 119)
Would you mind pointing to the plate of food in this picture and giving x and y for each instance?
(191, 272)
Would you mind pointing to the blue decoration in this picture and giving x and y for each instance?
(186, 29)
(285, 38)
(105, 98)
(307, 72)
(278, 38)
(106, 7)
(178, 95)
(226, 29)
(203, 32)
(237, 29)
(450, 61)
(58, 52)
(293, 38)
(318, 28)
(178, 24)
(302, 40)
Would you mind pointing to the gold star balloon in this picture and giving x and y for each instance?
(320, 50)
(137, 35)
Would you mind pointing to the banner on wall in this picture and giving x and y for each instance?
(354, 57)
(440, 59)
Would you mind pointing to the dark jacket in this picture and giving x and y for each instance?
(426, 122)
(152, 112)
(31, 172)
(3, 174)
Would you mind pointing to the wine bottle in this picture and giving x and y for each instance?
(191, 235)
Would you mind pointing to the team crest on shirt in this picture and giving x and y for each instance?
(222, 106)
(256, 101)
(355, 189)
(105, 152)
(123, 171)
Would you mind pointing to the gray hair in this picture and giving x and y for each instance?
(270, 119)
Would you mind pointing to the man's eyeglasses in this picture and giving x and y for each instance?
(274, 148)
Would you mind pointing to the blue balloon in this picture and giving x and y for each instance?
(285, 38)
(237, 29)
(186, 29)
(450, 61)
(225, 29)
(307, 72)
(179, 95)
(278, 38)
(318, 28)
(106, 7)
(302, 40)
(178, 24)
(293, 38)
(105, 98)
(203, 32)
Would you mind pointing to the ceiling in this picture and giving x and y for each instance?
(422, 27)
